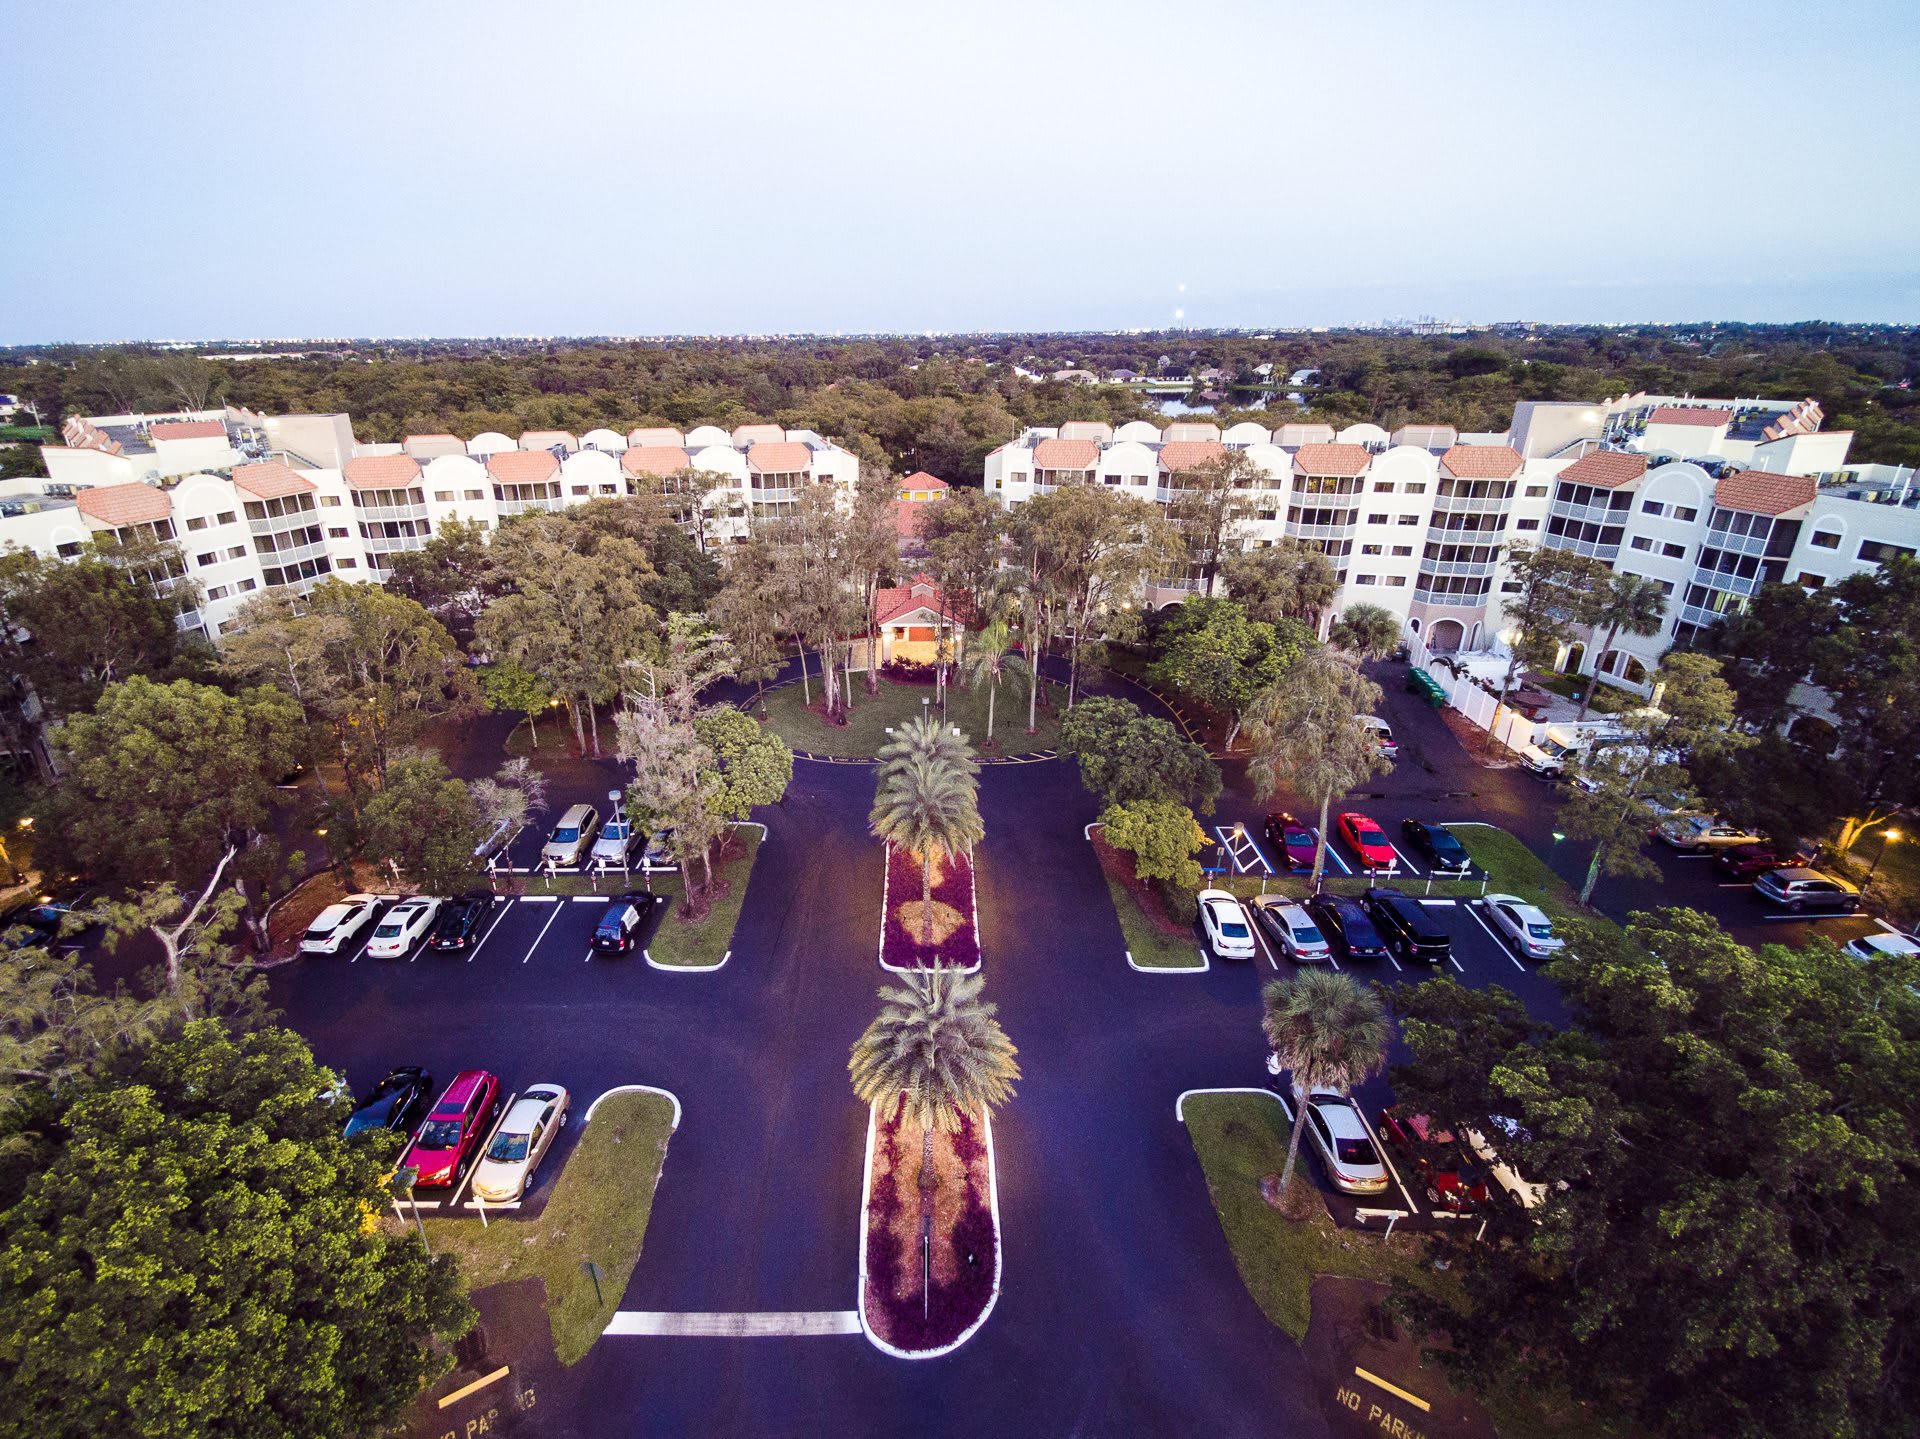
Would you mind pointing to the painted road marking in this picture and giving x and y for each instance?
(1381, 1150)
(735, 1326)
(490, 929)
(1395, 1390)
(1231, 840)
(589, 898)
(1494, 936)
(543, 933)
(481, 1152)
(1333, 852)
(1401, 854)
(475, 1387)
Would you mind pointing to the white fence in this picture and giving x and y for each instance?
(1514, 730)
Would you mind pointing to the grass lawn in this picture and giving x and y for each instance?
(1148, 941)
(898, 703)
(705, 942)
(1512, 868)
(1295, 886)
(598, 1211)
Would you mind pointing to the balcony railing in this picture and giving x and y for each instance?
(784, 496)
(390, 512)
(1461, 505)
(1320, 532)
(1738, 544)
(274, 524)
(1720, 580)
(1591, 548)
(1596, 514)
(291, 554)
(1451, 601)
(1701, 615)
(386, 544)
(1471, 569)
(525, 507)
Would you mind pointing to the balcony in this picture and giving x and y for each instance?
(1459, 505)
(781, 496)
(1449, 601)
(278, 524)
(292, 554)
(381, 513)
(1726, 583)
(1593, 549)
(519, 507)
(1320, 532)
(1591, 514)
(1471, 569)
(1737, 544)
(387, 544)
(1704, 617)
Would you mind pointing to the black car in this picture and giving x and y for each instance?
(624, 922)
(1346, 926)
(1444, 853)
(33, 926)
(461, 921)
(397, 1103)
(1409, 930)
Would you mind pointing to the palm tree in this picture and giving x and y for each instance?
(1304, 734)
(1629, 602)
(927, 804)
(1370, 631)
(989, 656)
(924, 737)
(1328, 1031)
(936, 1046)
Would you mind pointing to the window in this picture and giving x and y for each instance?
(1403, 549)
(1674, 552)
(209, 558)
(348, 563)
(68, 550)
(337, 532)
(1376, 519)
(1526, 524)
(1408, 520)
(236, 552)
(1641, 542)
(330, 502)
(1383, 487)
(1370, 549)
(1811, 581)
(198, 522)
(1416, 487)
(443, 497)
(472, 495)
(1535, 492)
(1874, 551)
(219, 592)
(1827, 539)
(1685, 512)
(1652, 507)
(249, 584)
(581, 490)
(1364, 580)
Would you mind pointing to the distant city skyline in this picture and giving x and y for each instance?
(596, 168)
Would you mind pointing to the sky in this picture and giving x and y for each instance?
(417, 168)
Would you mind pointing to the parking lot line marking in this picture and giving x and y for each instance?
(475, 1387)
(1452, 960)
(490, 929)
(543, 933)
(1492, 935)
(1333, 853)
(1381, 1150)
(539, 899)
(1395, 1390)
(1403, 859)
(735, 1326)
(588, 898)
(1258, 938)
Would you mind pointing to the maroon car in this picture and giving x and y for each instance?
(1750, 861)
(454, 1131)
(1290, 840)
(1450, 1179)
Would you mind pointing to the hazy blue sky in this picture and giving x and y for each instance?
(412, 167)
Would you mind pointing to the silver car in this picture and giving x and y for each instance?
(571, 836)
(1292, 928)
(519, 1143)
(1347, 1152)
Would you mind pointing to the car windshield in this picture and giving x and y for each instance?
(566, 834)
(1538, 931)
(1307, 934)
(1355, 1151)
(439, 1134)
(616, 830)
(508, 1148)
(1233, 929)
(1444, 843)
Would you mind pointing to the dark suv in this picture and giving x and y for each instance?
(1406, 926)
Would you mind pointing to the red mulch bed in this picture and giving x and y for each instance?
(1119, 867)
(964, 1239)
(952, 885)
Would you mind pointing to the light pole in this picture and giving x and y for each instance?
(1887, 837)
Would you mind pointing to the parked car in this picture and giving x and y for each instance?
(461, 921)
(1747, 861)
(520, 1143)
(1408, 926)
(1452, 1180)
(615, 847)
(454, 1131)
(1291, 929)
(494, 846)
(622, 922)
(1381, 732)
(1882, 946)
(1516, 1186)
(1368, 840)
(1444, 853)
(659, 853)
(1524, 925)
(1702, 834)
(1353, 1165)
(571, 836)
(338, 926)
(402, 926)
(1225, 925)
(1290, 840)
(394, 1104)
(1346, 927)
(1800, 890)
(37, 925)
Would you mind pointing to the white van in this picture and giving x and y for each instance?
(1382, 732)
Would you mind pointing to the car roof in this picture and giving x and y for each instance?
(1342, 1117)
(575, 813)
(1212, 895)
(463, 1086)
(1888, 943)
(520, 1119)
(1798, 874)
(1340, 902)
(1356, 817)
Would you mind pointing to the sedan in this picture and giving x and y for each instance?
(622, 922)
(1525, 925)
(454, 1131)
(338, 926)
(659, 853)
(1291, 838)
(1433, 1152)
(1353, 1165)
(1882, 946)
(1444, 853)
(395, 1104)
(615, 847)
(1749, 861)
(1292, 929)
(1702, 834)
(461, 922)
(1368, 840)
(402, 927)
(1347, 927)
(506, 1170)
(1225, 925)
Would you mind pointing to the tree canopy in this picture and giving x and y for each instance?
(1127, 756)
(1215, 656)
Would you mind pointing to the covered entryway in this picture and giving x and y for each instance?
(1446, 636)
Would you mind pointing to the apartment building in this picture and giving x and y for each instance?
(261, 502)
(1712, 498)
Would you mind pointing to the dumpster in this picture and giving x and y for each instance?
(1421, 683)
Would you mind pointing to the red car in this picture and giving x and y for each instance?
(1748, 861)
(1451, 1180)
(1290, 838)
(1369, 841)
(455, 1130)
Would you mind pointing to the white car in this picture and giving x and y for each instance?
(1517, 1187)
(1293, 929)
(1882, 946)
(1353, 1165)
(1225, 923)
(403, 927)
(519, 1144)
(337, 926)
(615, 847)
(1525, 925)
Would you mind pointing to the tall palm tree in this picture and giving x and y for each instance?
(989, 656)
(928, 805)
(1629, 602)
(936, 1045)
(924, 737)
(1304, 734)
(1328, 1031)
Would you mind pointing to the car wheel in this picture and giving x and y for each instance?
(1699, 849)
(1798, 906)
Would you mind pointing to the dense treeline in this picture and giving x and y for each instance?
(940, 403)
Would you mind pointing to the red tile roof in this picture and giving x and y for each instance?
(522, 467)
(785, 457)
(383, 472)
(134, 503)
(1758, 492)
(1059, 454)
(921, 480)
(1609, 469)
(920, 593)
(1177, 456)
(271, 481)
(188, 430)
(1481, 462)
(1333, 459)
(653, 460)
(907, 515)
(1690, 415)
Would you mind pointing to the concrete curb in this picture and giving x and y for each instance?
(1179, 1105)
(881, 951)
(637, 1089)
(653, 963)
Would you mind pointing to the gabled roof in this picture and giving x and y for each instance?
(921, 593)
(653, 459)
(1758, 492)
(1058, 454)
(1481, 462)
(785, 457)
(1179, 455)
(187, 430)
(1334, 459)
(383, 472)
(1690, 415)
(522, 467)
(1608, 469)
(271, 480)
(134, 503)
(921, 480)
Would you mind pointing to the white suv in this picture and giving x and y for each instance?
(1225, 923)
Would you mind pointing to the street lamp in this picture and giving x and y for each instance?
(1887, 837)
(1557, 837)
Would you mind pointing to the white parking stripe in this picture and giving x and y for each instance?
(1403, 859)
(1381, 1150)
(490, 929)
(1495, 937)
(480, 1152)
(543, 933)
(1333, 852)
(1261, 940)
